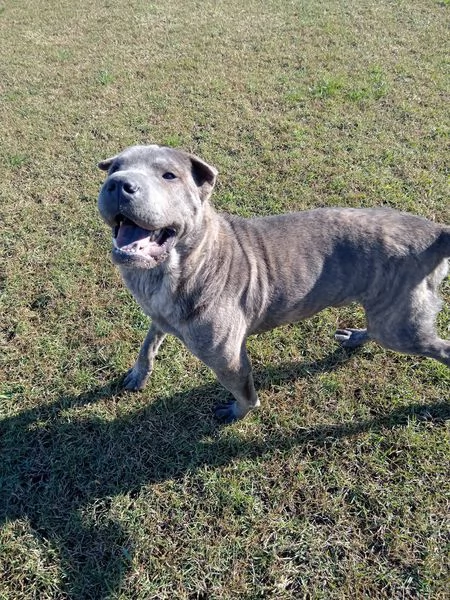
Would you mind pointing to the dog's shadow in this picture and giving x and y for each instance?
(56, 463)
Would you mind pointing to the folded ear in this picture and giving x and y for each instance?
(105, 164)
(204, 176)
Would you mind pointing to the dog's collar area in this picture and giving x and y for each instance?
(131, 240)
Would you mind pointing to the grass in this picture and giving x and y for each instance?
(338, 487)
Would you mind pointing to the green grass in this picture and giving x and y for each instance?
(338, 487)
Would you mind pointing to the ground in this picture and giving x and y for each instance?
(338, 486)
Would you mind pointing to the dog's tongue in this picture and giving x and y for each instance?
(129, 233)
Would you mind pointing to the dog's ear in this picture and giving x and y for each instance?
(105, 164)
(204, 176)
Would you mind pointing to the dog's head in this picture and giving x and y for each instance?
(152, 199)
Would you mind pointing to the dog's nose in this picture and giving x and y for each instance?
(126, 187)
(130, 187)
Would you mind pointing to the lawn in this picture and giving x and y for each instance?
(338, 487)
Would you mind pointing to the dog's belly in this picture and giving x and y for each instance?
(304, 309)
(302, 289)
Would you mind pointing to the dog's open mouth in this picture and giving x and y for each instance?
(132, 241)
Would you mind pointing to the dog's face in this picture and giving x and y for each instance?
(152, 199)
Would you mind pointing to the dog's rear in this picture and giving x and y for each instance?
(401, 311)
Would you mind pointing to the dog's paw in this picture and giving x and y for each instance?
(226, 413)
(351, 338)
(135, 380)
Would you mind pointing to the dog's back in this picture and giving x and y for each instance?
(288, 267)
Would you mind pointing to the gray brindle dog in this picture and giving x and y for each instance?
(213, 279)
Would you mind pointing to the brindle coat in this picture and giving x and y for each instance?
(213, 279)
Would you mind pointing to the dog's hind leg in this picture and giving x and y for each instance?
(351, 338)
(437, 349)
(421, 343)
(409, 325)
(136, 378)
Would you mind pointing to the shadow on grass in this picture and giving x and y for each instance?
(56, 464)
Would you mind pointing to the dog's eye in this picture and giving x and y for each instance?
(169, 175)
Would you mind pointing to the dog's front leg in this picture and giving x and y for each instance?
(243, 389)
(237, 378)
(228, 359)
(136, 378)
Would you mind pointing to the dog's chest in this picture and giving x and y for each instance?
(155, 300)
(153, 290)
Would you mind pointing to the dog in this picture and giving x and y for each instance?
(212, 279)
